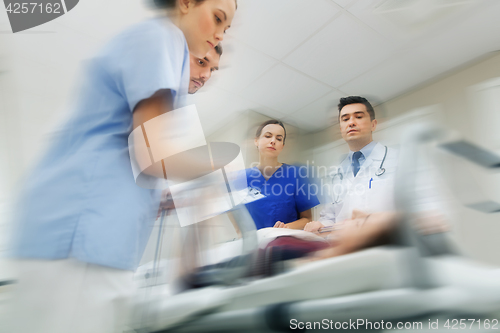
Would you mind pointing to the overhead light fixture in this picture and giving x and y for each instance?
(418, 15)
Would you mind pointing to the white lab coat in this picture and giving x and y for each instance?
(367, 191)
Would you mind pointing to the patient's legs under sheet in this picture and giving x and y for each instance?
(60, 296)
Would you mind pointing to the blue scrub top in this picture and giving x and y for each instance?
(81, 201)
(288, 193)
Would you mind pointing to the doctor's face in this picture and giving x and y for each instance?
(355, 124)
(271, 140)
(201, 69)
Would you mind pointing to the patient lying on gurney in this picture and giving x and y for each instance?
(366, 230)
(360, 232)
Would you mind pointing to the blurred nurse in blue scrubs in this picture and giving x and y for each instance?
(288, 200)
(83, 222)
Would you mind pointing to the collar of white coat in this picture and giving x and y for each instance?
(377, 154)
(366, 151)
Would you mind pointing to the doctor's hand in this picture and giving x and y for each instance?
(280, 224)
(313, 226)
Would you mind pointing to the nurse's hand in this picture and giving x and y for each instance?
(313, 226)
(280, 224)
(166, 203)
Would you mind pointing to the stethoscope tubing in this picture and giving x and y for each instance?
(378, 173)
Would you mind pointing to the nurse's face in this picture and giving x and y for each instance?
(204, 24)
(271, 140)
(355, 123)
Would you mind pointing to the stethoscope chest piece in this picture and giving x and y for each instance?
(381, 169)
(380, 172)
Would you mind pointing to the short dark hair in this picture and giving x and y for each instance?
(171, 3)
(270, 122)
(218, 49)
(355, 100)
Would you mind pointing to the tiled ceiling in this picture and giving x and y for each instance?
(376, 48)
(339, 52)
(293, 59)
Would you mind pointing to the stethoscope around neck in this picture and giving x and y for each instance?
(378, 173)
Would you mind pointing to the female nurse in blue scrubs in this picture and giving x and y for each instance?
(84, 222)
(288, 201)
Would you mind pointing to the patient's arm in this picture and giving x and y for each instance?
(326, 218)
(305, 217)
(365, 230)
(361, 231)
(313, 226)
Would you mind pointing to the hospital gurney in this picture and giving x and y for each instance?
(418, 277)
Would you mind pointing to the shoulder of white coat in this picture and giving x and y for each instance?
(392, 160)
(342, 165)
(343, 160)
(392, 153)
(379, 151)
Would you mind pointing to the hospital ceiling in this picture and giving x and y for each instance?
(293, 59)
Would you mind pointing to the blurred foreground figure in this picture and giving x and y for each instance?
(83, 222)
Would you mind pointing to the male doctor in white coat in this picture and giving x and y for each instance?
(364, 182)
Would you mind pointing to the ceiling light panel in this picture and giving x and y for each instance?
(277, 27)
(405, 20)
(285, 90)
(339, 52)
(471, 37)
